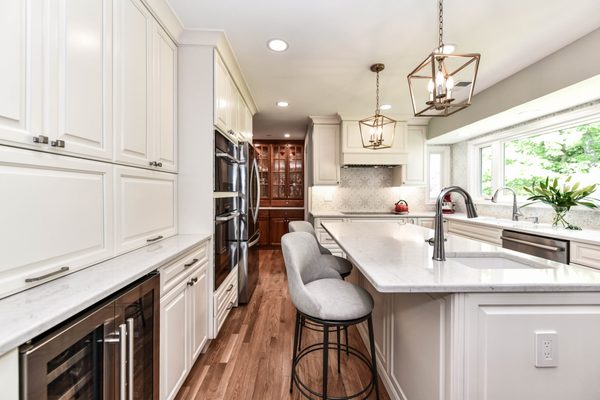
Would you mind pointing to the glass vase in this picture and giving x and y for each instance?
(559, 219)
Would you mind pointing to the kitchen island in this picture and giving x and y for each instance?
(474, 327)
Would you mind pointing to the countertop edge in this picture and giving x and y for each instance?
(16, 336)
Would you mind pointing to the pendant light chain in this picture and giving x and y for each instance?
(441, 24)
(377, 94)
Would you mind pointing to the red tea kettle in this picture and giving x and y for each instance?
(401, 207)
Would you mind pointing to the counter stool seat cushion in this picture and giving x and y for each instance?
(337, 300)
(338, 264)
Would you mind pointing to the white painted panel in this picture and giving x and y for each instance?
(132, 52)
(505, 355)
(84, 76)
(198, 297)
(9, 375)
(221, 93)
(326, 154)
(416, 171)
(145, 206)
(174, 328)
(585, 254)
(165, 83)
(13, 69)
(56, 211)
(380, 322)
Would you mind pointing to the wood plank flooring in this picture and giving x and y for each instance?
(251, 357)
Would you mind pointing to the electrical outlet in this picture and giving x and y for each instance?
(546, 349)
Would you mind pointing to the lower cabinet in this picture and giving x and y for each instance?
(274, 223)
(183, 318)
(225, 298)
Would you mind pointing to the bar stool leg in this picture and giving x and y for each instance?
(347, 346)
(325, 358)
(373, 356)
(299, 345)
(338, 347)
(296, 329)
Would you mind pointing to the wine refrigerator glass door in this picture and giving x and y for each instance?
(137, 315)
(73, 362)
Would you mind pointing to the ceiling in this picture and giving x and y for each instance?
(333, 43)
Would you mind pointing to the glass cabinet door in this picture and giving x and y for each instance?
(279, 172)
(263, 157)
(296, 172)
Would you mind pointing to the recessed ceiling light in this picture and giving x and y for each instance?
(286, 135)
(385, 107)
(277, 45)
(282, 104)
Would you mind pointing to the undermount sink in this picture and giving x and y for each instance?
(492, 260)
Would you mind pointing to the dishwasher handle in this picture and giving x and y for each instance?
(539, 246)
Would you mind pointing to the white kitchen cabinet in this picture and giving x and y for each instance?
(221, 95)
(184, 317)
(21, 72)
(481, 233)
(56, 213)
(380, 322)
(9, 375)
(174, 324)
(416, 167)
(353, 151)
(133, 78)
(225, 298)
(145, 207)
(78, 108)
(585, 254)
(325, 140)
(165, 79)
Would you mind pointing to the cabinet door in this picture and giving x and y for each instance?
(380, 322)
(56, 212)
(352, 143)
(326, 154)
(174, 326)
(165, 83)
(263, 226)
(198, 302)
(416, 169)
(20, 72)
(220, 94)
(133, 103)
(145, 207)
(79, 109)
(278, 227)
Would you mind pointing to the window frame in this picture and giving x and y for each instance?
(445, 164)
(497, 140)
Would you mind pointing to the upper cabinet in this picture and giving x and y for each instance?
(416, 167)
(325, 152)
(232, 116)
(145, 89)
(353, 151)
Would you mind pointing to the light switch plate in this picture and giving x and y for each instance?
(546, 349)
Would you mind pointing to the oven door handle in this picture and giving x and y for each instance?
(228, 157)
(130, 356)
(122, 362)
(539, 246)
(228, 217)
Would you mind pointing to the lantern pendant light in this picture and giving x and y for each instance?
(377, 131)
(441, 76)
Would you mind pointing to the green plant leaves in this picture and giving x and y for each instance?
(549, 192)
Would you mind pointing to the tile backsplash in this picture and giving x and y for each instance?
(366, 189)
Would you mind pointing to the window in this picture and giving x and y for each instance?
(559, 148)
(438, 163)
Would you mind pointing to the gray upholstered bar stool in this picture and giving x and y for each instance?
(340, 264)
(332, 303)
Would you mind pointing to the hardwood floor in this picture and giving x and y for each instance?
(251, 357)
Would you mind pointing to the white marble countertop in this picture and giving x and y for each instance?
(281, 208)
(590, 236)
(27, 314)
(395, 258)
(371, 214)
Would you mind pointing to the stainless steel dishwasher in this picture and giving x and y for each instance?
(539, 246)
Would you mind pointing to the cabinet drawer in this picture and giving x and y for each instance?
(56, 212)
(318, 221)
(174, 273)
(296, 214)
(227, 292)
(145, 207)
(477, 232)
(222, 316)
(585, 254)
(324, 237)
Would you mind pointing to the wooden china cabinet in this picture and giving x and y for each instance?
(281, 175)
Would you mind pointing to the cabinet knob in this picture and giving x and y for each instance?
(158, 164)
(152, 163)
(192, 281)
(40, 139)
(57, 143)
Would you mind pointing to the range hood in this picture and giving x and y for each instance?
(353, 154)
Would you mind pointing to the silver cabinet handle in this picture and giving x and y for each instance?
(122, 362)
(154, 239)
(48, 275)
(192, 281)
(57, 143)
(229, 287)
(40, 139)
(158, 164)
(539, 246)
(228, 157)
(152, 163)
(230, 306)
(194, 261)
(130, 358)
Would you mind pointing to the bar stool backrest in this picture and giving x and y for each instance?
(301, 255)
(305, 226)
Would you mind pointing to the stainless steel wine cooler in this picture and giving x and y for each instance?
(109, 352)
